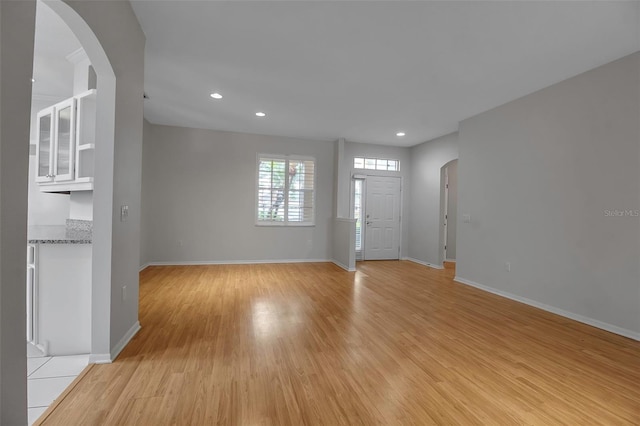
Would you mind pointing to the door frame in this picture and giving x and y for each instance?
(363, 177)
(445, 208)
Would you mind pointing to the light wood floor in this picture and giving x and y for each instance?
(394, 343)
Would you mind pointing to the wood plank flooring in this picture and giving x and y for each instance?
(394, 343)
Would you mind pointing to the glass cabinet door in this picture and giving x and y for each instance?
(44, 148)
(64, 140)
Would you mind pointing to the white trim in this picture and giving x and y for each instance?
(576, 317)
(110, 357)
(143, 267)
(236, 262)
(77, 56)
(44, 348)
(445, 212)
(450, 260)
(421, 262)
(43, 97)
(66, 186)
(115, 351)
(100, 359)
(346, 268)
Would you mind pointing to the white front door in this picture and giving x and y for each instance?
(382, 218)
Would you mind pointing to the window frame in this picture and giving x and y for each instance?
(286, 223)
(375, 164)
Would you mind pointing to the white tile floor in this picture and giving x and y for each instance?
(48, 377)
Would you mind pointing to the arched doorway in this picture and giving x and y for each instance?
(103, 177)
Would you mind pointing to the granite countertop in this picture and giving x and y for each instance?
(73, 233)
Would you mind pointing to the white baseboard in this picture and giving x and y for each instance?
(125, 340)
(108, 358)
(235, 262)
(44, 348)
(345, 267)
(143, 267)
(576, 317)
(421, 262)
(100, 359)
(450, 260)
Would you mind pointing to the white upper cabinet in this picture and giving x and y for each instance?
(65, 146)
(85, 136)
(63, 169)
(44, 148)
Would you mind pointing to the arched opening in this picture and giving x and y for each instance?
(103, 179)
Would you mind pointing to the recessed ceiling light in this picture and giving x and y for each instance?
(216, 95)
(33, 80)
(400, 134)
(260, 114)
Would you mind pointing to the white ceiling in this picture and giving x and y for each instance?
(53, 42)
(363, 70)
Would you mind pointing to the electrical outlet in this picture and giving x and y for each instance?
(124, 293)
(124, 213)
(466, 218)
(507, 266)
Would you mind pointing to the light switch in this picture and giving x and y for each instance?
(124, 213)
(466, 218)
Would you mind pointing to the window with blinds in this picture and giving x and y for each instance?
(286, 190)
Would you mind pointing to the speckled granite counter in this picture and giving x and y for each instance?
(72, 233)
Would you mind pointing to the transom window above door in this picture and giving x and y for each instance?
(376, 164)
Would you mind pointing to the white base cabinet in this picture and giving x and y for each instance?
(64, 298)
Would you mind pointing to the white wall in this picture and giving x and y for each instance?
(81, 205)
(537, 176)
(344, 243)
(426, 243)
(353, 149)
(17, 20)
(200, 198)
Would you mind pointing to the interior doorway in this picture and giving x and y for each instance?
(449, 210)
(376, 208)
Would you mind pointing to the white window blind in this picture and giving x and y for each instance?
(286, 190)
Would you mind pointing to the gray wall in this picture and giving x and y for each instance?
(537, 176)
(426, 242)
(145, 225)
(353, 149)
(200, 198)
(17, 20)
(452, 209)
(118, 168)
